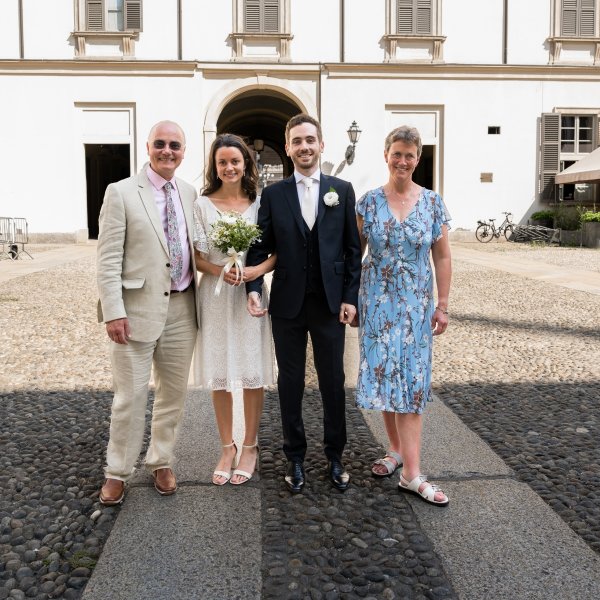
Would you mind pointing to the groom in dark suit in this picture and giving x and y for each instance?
(309, 221)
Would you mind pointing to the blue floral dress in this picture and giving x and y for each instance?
(396, 303)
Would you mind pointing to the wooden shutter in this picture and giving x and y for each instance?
(405, 17)
(271, 16)
(423, 17)
(413, 17)
(550, 154)
(252, 16)
(578, 18)
(587, 17)
(133, 15)
(94, 15)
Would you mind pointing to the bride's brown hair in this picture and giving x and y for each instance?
(250, 176)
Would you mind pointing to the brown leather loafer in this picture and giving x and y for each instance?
(112, 492)
(164, 481)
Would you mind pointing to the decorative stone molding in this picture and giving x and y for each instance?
(124, 38)
(556, 46)
(432, 43)
(280, 42)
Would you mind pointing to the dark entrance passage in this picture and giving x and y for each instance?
(259, 117)
(423, 174)
(104, 164)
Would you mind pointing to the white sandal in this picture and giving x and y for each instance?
(427, 493)
(226, 475)
(390, 467)
(245, 474)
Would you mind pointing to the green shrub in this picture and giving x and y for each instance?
(542, 215)
(568, 218)
(590, 217)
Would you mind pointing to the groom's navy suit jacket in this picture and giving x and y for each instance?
(284, 232)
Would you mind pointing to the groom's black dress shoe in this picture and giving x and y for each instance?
(294, 476)
(338, 475)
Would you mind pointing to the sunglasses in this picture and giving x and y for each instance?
(160, 144)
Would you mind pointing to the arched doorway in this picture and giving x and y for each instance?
(259, 116)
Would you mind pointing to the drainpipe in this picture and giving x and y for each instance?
(21, 41)
(342, 30)
(179, 27)
(505, 33)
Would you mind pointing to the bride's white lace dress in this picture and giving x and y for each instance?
(234, 350)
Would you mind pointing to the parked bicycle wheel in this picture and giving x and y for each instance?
(484, 233)
(509, 233)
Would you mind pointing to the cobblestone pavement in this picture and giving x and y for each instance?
(54, 408)
(520, 364)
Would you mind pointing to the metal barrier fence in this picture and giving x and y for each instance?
(14, 234)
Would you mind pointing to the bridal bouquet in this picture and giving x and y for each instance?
(233, 235)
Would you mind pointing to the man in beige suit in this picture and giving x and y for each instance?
(146, 280)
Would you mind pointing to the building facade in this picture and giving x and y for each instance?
(505, 93)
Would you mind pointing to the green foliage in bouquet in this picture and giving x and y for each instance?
(231, 230)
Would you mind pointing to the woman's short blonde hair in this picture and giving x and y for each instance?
(406, 134)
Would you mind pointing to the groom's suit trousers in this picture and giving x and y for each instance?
(131, 366)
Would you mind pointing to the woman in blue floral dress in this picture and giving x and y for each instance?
(403, 225)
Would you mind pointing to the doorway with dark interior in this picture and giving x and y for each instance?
(104, 164)
(423, 174)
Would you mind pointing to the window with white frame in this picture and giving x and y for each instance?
(107, 24)
(113, 15)
(413, 30)
(576, 134)
(575, 32)
(261, 30)
(565, 138)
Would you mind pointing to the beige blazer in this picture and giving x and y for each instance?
(132, 259)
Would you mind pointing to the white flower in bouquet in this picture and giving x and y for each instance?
(233, 235)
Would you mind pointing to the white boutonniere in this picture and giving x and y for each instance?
(331, 198)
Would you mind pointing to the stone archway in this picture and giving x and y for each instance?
(261, 115)
(257, 108)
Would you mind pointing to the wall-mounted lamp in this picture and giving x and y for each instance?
(259, 145)
(353, 135)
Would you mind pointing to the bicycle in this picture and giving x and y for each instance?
(486, 230)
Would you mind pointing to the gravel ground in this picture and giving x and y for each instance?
(520, 364)
(587, 259)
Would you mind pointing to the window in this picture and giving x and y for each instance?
(261, 30)
(577, 18)
(413, 31)
(261, 16)
(576, 134)
(565, 138)
(113, 15)
(493, 130)
(112, 25)
(575, 31)
(413, 17)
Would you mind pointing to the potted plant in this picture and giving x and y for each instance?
(568, 220)
(545, 218)
(591, 229)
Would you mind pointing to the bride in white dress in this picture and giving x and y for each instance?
(234, 349)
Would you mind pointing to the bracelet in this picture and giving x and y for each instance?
(445, 312)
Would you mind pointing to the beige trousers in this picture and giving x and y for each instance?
(132, 364)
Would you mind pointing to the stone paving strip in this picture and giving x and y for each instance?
(520, 365)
